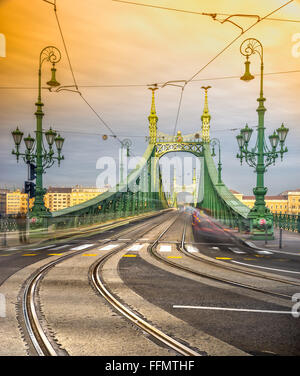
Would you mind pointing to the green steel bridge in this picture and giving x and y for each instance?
(143, 190)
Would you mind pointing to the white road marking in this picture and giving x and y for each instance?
(165, 248)
(126, 240)
(231, 309)
(47, 246)
(264, 252)
(136, 247)
(191, 249)
(264, 267)
(80, 247)
(236, 250)
(143, 240)
(109, 247)
(61, 247)
(217, 248)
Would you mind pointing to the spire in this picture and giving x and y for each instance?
(205, 117)
(153, 117)
(194, 176)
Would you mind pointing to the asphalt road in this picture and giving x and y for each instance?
(16, 259)
(216, 242)
(257, 333)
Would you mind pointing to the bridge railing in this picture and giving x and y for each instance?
(8, 224)
(218, 201)
(289, 222)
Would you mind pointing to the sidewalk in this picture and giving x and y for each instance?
(290, 241)
(38, 238)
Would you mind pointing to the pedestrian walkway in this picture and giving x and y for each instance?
(290, 241)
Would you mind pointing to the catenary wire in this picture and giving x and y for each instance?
(147, 85)
(213, 14)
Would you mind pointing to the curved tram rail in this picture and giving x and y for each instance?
(39, 339)
(155, 254)
(235, 269)
(99, 285)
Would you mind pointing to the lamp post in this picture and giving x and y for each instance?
(125, 144)
(213, 143)
(260, 156)
(36, 153)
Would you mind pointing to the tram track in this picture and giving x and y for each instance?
(33, 329)
(180, 247)
(236, 269)
(100, 286)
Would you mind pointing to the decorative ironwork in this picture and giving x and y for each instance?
(195, 148)
(289, 222)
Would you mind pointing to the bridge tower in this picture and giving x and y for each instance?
(153, 119)
(205, 118)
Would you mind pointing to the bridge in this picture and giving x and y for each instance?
(143, 190)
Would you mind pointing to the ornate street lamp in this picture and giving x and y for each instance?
(36, 152)
(260, 156)
(213, 143)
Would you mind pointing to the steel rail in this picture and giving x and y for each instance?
(99, 285)
(153, 253)
(33, 326)
(233, 268)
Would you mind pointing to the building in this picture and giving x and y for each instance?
(287, 202)
(16, 202)
(56, 198)
(82, 194)
(3, 201)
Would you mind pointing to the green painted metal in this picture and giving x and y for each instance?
(143, 190)
(35, 149)
(259, 157)
(290, 222)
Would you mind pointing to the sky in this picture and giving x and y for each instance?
(128, 47)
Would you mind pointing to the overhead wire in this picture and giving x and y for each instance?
(222, 51)
(73, 75)
(213, 14)
(185, 81)
(147, 85)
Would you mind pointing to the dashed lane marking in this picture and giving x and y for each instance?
(264, 267)
(191, 249)
(129, 255)
(54, 254)
(232, 309)
(136, 247)
(90, 254)
(223, 258)
(236, 250)
(29, 254)
(265, 252)
(165, 248)
(175, 257)
(61, 247)
(80, 247)
(109, 247)
(47, 246)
